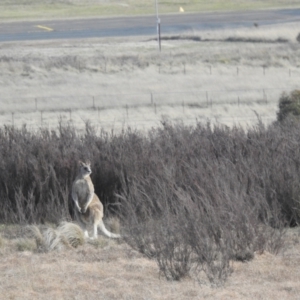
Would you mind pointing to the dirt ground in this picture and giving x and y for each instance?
(111, 270)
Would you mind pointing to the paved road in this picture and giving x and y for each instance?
(140, 25)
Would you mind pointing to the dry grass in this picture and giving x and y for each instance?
(114, 271)
(39, 9)
(44, 81)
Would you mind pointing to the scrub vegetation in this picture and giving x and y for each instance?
(191, 198)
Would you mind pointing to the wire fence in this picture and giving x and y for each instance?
(199, 98)
(117, 110)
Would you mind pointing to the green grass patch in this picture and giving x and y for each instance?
(46, 9)
(23, 244)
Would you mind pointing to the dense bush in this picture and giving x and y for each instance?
(289, 106)
(192, 198)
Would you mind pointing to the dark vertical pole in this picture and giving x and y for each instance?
(158, 26)
(159, 39)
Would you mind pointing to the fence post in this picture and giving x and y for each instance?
(265, 96)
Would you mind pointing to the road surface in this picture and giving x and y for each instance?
(140, 25)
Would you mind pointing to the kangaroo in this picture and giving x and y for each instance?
(88, 207)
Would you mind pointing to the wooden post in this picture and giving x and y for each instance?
(265, 96)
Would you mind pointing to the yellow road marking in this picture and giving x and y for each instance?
(44, 27)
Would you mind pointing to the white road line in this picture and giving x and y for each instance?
(44, 27)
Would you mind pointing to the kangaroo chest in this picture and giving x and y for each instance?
(83, 189)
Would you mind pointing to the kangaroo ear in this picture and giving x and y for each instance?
(81, 163)
(88, 162)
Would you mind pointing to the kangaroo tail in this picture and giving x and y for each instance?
(106, 232)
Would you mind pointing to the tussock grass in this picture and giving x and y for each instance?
(65, 236)
(25, 244)
(2, 241)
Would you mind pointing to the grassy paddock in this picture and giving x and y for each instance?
(33, 9)
(251, 61)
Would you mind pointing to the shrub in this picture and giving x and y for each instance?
(289, 106)
(191, 198)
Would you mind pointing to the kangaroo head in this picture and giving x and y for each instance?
(85, 168)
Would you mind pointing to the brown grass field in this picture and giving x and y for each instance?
(107, 269)
(116, 83)
(110, 82)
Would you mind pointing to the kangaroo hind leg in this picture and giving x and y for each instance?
(96, 217)
(82, 224)
(106, 232)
